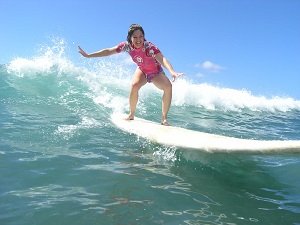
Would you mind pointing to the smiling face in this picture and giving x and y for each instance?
(136, 35)
(137, 39)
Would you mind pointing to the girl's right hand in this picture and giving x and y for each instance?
(82, 52)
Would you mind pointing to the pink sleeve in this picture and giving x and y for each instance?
(121, 47)
(153, 50)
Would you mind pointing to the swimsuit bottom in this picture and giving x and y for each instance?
(150, 76)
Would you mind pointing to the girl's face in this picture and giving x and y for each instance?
(137, 39)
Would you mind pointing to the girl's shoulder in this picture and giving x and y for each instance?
(151, 49)
(124, 47)
(149, 44)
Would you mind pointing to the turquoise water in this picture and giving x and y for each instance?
(62, 161)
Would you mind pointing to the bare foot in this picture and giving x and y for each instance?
(165, 123)
(129, 117)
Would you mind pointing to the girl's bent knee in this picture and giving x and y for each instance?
(168, 87)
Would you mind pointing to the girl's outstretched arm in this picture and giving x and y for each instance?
(101, 53)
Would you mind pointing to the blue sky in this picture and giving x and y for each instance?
(241, 44)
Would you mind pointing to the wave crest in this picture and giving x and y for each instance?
(218, 98)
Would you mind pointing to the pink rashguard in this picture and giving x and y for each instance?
(144, 57)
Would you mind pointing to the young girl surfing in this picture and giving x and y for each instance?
(149, 60)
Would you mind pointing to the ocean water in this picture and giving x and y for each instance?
(62, 161)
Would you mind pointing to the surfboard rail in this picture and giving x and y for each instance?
(197, 140)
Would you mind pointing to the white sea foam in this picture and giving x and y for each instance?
(67, 131)
(213, 97)
(49, 59)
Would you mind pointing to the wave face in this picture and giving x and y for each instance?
(61, 155)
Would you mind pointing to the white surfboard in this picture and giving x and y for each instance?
(184, 138)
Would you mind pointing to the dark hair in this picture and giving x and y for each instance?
(132, 28)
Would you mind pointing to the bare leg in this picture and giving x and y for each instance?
(138, 81)
(163, 83)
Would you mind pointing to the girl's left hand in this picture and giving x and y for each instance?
(176, 75)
